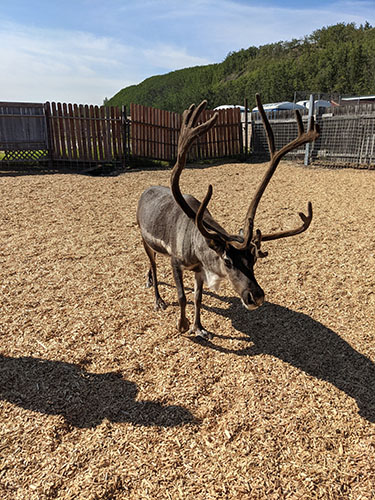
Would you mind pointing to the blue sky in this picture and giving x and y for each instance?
(84, 50)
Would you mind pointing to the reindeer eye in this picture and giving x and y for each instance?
(228, 262)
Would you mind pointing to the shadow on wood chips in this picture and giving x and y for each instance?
(84, 399)
(297, 339)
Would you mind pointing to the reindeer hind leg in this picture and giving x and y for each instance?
(152, 277)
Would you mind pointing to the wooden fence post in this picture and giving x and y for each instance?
(125, 134)
(49, 142)
(246, 129)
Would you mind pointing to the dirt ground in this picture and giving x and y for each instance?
(102, 398)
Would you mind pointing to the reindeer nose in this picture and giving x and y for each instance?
(259, 300)
(253, 300)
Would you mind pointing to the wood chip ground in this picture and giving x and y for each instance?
(102, 398)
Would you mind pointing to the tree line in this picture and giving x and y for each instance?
(337, 59)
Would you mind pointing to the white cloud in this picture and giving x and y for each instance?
(172, 58)
(59, 65)
(40, 65)
(209, 29)
(229, 25)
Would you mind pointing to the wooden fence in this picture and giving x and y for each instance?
(154, 134)
(23, 131)
(82, 133)
(55, 134)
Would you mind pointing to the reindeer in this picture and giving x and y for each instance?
(181, 227)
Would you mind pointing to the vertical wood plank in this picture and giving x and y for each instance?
(140, 130)
(149, 137)
(61, 131)
(142, 127)
(239, 136)
(133, 129)
(114, 126)
(67, 131)
(78, 128)
(229, 131)
(157, 134)
(164, 124)
(124, 131)
(149, 133)
(85, 132)
(98, 133)
(72, 122)
(155, 126)
(93, 143)
(104, 133)
(52, 128)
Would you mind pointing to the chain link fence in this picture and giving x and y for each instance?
(347, 136)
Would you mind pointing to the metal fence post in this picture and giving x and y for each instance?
(309, 121)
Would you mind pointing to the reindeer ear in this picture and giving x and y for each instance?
(218, 246)
(257, 239)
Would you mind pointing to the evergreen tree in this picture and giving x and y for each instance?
(333, 59)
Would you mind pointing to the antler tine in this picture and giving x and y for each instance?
(306, 219)
(197, 112)
(186, 115)
(200, 213)
(266, 124)
(190, 116)
(301, 129)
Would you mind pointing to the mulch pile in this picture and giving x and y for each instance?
(102, 398)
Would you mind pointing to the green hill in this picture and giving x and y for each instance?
(335, 59)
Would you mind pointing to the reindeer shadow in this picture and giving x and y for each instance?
(84, 399)
(304, 343)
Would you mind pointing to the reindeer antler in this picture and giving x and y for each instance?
(188, 133)
(303, 137)
(306, 219)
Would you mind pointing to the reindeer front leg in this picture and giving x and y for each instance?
(183, 323)
(152, 279)
(197, 327)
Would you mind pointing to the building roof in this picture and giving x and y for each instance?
(230, 106)
(279, 106)
(319, 103)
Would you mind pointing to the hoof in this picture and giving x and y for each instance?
(201, 333)
(183, 325)
(160, 305)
